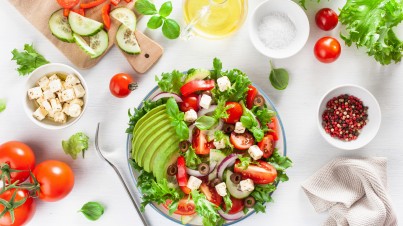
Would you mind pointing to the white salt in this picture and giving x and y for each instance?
(276, 31)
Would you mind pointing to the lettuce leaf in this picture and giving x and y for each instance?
(171, 82)
(75, 144)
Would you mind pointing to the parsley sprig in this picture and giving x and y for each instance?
(28, 60)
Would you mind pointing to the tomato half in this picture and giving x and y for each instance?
(326, 19)
(56, 180)
(18, 156)
(237, 206)
(242, 141)
(186, 206)
(68, 3)
(200, 144)
(327, 49)
(211, 194)
(263, 173)
(197, 85)
(273, 125)
(190, 102)
(267, 145)
(250, 97)
(23, 213)
(121, 85)
(234, 112)
(181, 175)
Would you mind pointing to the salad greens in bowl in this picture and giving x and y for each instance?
(206, 147)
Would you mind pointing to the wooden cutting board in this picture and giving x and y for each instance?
(38, 12)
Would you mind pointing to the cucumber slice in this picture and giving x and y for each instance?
(233, 189)
(197, 74)
(83, 44)
(127, 41)
(59, 26)
(84, 26)
(98, 43)
(125, 16)
(216, 156)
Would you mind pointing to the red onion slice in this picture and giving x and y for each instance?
(196, 173)
(231, 217)
(206, 111)
(227, 162)
(167, 95)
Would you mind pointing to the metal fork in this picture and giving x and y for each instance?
(142, 217)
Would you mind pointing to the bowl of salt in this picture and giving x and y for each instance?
(279, 28)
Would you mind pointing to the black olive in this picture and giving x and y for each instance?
(204, 169)
(228, 128)
(184, 145)
(207, 92)
(258, 101)
(172, 170)
(249, 202)
(236, 178)
(214, 182)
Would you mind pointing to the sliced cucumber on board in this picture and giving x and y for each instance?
(59, 26)
(125, 16)
(83, 44)
(127, 41)
(84, 26)
(98, 43)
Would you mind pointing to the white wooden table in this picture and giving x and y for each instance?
(96, 181)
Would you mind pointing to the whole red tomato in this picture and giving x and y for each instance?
(327, 49)
(56, 180)
(234, 112)
(189, 102)
(23, 213)
(121, 85)
(18, 156)
(326, 19)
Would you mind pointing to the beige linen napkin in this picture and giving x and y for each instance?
(353, 191)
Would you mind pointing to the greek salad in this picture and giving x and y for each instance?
(206, 146)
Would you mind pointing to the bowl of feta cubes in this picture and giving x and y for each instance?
(56, 96)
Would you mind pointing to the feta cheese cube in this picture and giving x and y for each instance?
(66, 107)
(40, 113)
(205, 101)
(60, 117)
(79, 90)
(60, 96)
(190, 116)
(51, 113)
(43, 82)
(194, 183)
(74, 110)
(71, 80)
(54, 77)
(56, 105)
(40, 100)
(221, 189)
(246, 185)
(219, 144)
(68, 95)
(46, 105)
(55, 85)
(35, 93)
(223, 83)
(239, 128)
(77, 101)
(47, 94)
(255, 152)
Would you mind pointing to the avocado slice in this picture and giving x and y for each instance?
(165, 141)
(197, 74)
(140, 122)
(163, 158)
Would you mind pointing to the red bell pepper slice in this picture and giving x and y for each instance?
(105, 15)
(115, 2)
(66, 12)
(128, 1)
(79, 11)
(196, 85)
(91, 4)
(181, 175)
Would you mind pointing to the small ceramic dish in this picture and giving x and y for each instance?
(279, 11)
(30, 105)
(368, 132)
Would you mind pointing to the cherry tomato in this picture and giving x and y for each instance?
(273, 125)
(242, 141)
(250, 97)
(267, 145)
(197, 85)
(200, 144)
(186, 206)
(181, 175)
(190, 102)
(327, 49)
(211, 194)
(234, 113)
(237, 206)
(121, 85)
(23, 213)
(263, 173)
(68, 3)
(326, 19)
(56, 180)
(18, 156)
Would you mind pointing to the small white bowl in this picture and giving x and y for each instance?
(295, 13)
(368, 132)
(29, 105)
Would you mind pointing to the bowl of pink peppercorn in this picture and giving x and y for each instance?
(349, 117)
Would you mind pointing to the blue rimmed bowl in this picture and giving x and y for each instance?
(197, 221)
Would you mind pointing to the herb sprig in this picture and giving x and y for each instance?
(177, 119)
(28, 60)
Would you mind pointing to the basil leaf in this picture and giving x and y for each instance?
(278, 77)
(155, 22)
(171, 29)
(92, 210)
(166, 9)
(205, 122)
(177, 118)
(145, 7)
(247, 121)
(2, 105)
(172, 108)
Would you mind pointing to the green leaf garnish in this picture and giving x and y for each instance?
(75, 144)
(28, 60)
(278, 77)
(92, 210)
